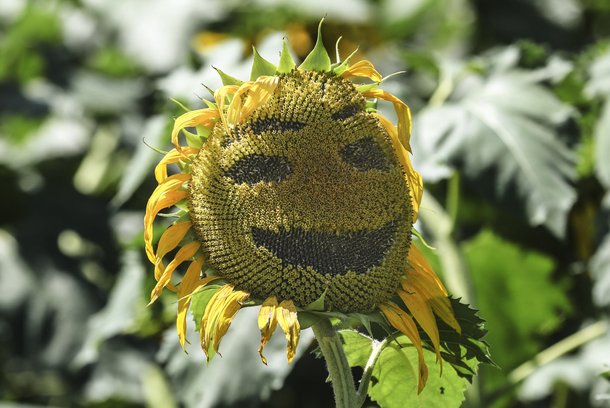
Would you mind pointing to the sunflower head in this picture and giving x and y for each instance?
(293, 190)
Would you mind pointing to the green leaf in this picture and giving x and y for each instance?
(394, 382)
(261, 67)
(517, 295)
(228, 79)
(318, 59)
(357, 346)
(505, 122)
(286, 62)
(200, 300)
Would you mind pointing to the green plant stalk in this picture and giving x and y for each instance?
(368, 371)
(559, 349)
(336, 362)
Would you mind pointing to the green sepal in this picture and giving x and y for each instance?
(308, 319)
(286, 64)
(316, 305)
(371, 106)
(209, 104)
(367, 87)
(343, 66)
(192, 139)
(203, 132)
(180, 104)
(421, 238)
(261, 66)
(228, 79)
(318, 59)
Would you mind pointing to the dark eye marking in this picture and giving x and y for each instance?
(365, 154)
(346, 112)
(267, 124)
(255, 168)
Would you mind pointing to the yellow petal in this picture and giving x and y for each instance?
(267, 321)
(421, 279)
(414, 180)
(225, 316)
(257, 94)
(186, 252)
(170, 239)
(402, 111)
(190, 284)
(221, 96)
(209, 316)
(200, 117)
(363, 69)
(218, 315)
(286, 314)
(401, 321)
(422, 312)
(165, 195)
(173, 156)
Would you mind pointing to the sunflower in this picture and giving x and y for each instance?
(295, 191)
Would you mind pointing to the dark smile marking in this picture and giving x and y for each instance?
(328, 252)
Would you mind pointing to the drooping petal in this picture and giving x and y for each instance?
(218, 315)
(185, 253)
(364, 69)
(422, 279)
(170, 239)
(200, 117)
(286, 314)
(402, 111)
(190, 284)
(422, 312)
(223, 321)
(211, 312)
(267, 321)
(401, 321)
(414, 180)
(173, 156)
(165, 195)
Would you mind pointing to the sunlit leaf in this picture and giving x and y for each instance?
(394, 383)
(506, 122)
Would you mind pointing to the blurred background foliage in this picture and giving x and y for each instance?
(511, 103)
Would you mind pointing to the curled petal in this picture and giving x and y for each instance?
(185, 253)
(267, 322)
(221, 96)
(286, 314)
(218, 315)
(200, 117)
(165, 195)
(173, 156)
(414, 180)
(401, 321)
(402, 111)
(190, 284)
(257, 94)
(170, 239)
(363, 69)
(421, 279)
(422, 312)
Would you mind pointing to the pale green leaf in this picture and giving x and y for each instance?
(506, 122)
(394, 383)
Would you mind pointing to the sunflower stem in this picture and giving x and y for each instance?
(336, 362)
(368, 371)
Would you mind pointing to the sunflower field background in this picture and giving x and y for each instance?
(511, 104)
